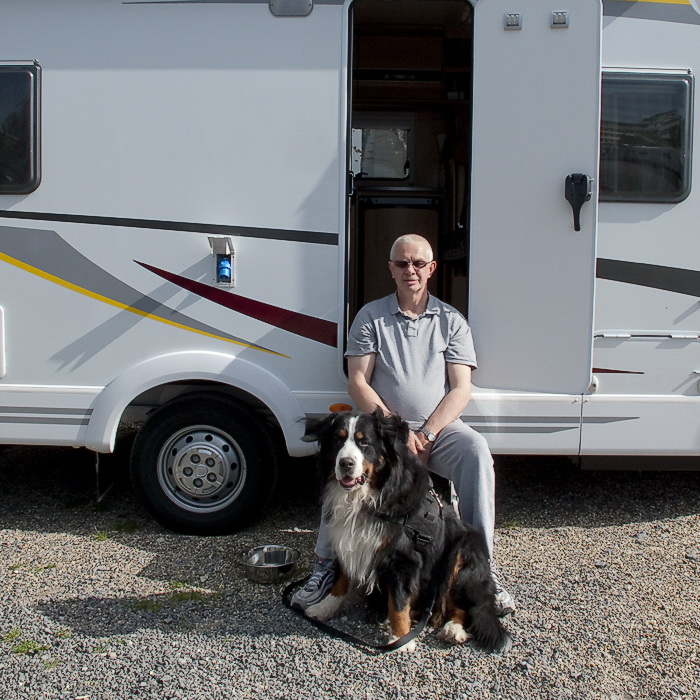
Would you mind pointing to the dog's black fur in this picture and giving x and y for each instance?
(377, 553)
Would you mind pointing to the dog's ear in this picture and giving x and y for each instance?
(398, 482)
(316, 428)
(392, 430)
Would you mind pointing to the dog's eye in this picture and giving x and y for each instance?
(363, 442)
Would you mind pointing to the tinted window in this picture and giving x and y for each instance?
(645, 137)
(19, 137)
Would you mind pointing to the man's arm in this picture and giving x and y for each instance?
(360, 368)
(452, 405)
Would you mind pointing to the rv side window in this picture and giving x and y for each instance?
(19, 129)
(645, 137)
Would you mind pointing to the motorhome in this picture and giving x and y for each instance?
(196, 196)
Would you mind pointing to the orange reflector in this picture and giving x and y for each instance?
(338, 407)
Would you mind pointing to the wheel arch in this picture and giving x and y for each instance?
(159, 379)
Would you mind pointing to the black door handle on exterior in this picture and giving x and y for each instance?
(577, 190)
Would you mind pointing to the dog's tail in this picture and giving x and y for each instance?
(487, 629)
(474, 591)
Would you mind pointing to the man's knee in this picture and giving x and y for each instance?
(474, 444)
(464, 453)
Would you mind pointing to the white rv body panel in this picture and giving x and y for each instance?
(111, 403)
(647, 314)
(173, 86)
(149, 107)
(166, 124)
(47, 415)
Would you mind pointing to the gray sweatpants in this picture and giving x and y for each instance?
(461, 455)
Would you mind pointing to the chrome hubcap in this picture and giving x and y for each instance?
(201, 468)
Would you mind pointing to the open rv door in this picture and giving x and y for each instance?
(536, 104)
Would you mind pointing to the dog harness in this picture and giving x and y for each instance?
(422, 526)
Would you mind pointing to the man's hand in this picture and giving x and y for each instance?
(419, 445)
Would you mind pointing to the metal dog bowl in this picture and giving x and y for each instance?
(269, 563)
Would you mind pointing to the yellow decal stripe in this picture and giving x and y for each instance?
(112, 302)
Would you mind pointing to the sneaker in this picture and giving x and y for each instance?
(505, 605)
(318, 586)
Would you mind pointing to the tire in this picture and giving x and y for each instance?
(202, 465)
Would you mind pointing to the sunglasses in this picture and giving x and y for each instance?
(417, 264)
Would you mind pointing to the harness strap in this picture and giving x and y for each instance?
(422, 525)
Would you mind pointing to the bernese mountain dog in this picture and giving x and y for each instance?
(393, 536)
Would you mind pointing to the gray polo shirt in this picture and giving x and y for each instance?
(410, 370)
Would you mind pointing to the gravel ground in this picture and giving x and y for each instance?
(99, 602)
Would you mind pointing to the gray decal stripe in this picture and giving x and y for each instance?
(609, 419)
(515, 429)
(49, 411)
(47, 251)
(211, 229)
(494, 423)
(44, 421)
(522, 419)
(542, 419)
(663, 12)
(671, 279)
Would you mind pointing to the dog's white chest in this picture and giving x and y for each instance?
(355, 535)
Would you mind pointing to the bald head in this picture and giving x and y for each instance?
(416, 242)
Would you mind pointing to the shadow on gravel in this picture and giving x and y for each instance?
(230, 615)
(555, 492)
(45, 488)
(210, 614)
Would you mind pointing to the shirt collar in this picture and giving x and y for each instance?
(432, 308)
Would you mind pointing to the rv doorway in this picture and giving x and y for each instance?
(409, 141)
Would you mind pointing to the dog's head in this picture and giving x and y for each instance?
(359, 450)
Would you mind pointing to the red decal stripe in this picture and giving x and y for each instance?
(310, 327)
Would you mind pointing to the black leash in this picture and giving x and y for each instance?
(352, 639)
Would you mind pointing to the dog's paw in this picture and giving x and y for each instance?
(326, 609)
(453, 632)
(409, 647)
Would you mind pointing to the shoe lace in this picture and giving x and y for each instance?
(316, 577)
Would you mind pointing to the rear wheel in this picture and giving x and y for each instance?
(203, 465)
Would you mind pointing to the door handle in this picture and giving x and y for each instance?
(577, 190)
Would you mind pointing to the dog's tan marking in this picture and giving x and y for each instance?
(458, 616)
(452, 618)
(399, 620)
(359, 435)
(341, 585)
(343, 433)
(446, 609)
(368, 469)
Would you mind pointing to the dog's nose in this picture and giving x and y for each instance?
(346, 462)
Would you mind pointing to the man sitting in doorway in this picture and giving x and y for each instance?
(412, 354)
